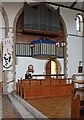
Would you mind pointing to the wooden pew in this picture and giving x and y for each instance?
(20, 84)
(43, 88)
(47, 91)
(26, 82)
(76, 108)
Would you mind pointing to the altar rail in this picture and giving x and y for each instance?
(48, 75)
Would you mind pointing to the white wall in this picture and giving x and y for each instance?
(69, 17)
(61, 60)
(74, 43)
(24, 62)
(74, 54)
(39, 66)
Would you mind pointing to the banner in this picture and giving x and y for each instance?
(7, 54)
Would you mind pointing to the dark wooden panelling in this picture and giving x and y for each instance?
(34, 18)
(39, 18)
(27, 16)
(55, 20)
(19, 25)
(33, 34)
(42, 17)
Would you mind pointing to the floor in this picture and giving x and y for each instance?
(8, 111)
(55, 107)
(0, 107)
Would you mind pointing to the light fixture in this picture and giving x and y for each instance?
(32, 45)
(60, 44)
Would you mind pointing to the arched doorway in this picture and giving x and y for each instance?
(53, 67)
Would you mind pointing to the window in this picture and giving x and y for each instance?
(79, 24)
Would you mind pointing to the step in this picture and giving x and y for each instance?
(24, 108)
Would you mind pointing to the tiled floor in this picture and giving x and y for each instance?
(55, 107)
(8, 111)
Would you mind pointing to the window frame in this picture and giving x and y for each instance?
(80, 20)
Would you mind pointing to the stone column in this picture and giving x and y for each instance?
(14, 61)
(65, 57)
(4, 77)
(9, 69)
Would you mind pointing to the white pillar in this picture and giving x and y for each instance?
(8, 67)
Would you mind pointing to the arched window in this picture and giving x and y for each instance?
(79, 24)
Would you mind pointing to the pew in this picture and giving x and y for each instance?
(46, 91)
(77, 105)
(20, 84)
(77, 109)
(43, 88)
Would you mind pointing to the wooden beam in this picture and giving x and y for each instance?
(74, 3)
(43, 33)
(60, 5)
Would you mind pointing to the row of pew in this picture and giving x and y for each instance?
(36, 88)
(77, 106)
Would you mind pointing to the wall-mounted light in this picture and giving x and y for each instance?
(60, 44)
(32, 45)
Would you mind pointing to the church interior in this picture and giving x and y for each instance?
(41, 59)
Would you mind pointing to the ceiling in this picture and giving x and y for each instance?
(71, 4)
(75, 5)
